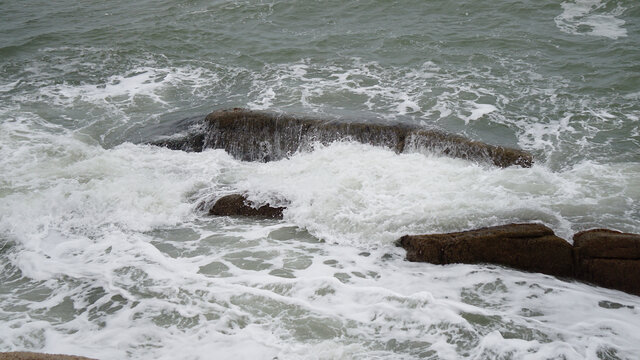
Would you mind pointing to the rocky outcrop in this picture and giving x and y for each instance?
(237, 205)
(38, 356)
(608, 258)
(603, 257)
(530, 247)
(264, 136)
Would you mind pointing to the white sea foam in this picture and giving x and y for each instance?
(265, 102)
(59, 190)
(436, 96)
(124, 91)
(544, 136)
(111, 94)
(344, 192)
(591, 17)
(107, 256)
(117, 263)
(356, 193)
(426, 93)
(479, 111)
(365, 83)
(8, 86)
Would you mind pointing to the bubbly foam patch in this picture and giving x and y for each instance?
(281, 294)
(366, 83)
(358, 194)
(113, 95)
(479, 111)
(60, 189)
(591, 17)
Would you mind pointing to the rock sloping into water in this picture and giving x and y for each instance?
(265, 136)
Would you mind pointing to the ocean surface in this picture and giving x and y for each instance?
(104, 253)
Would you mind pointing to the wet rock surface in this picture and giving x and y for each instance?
(185, 134)
(603, 257)
(38, 356)
(265, 136)
(608, 258)
(530, 247)
(237, 205)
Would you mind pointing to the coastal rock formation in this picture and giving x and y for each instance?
(603, 257)
(264, 136)
(529, 247)
(237, 205)
(608, 258)
(38, 356)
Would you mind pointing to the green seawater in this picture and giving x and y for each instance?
(518, 73)
(105, 253)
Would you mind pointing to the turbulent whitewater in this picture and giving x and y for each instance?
(105, 253)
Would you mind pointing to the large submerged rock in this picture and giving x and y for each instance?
(603, 257)
(265, 136)
(530, 247)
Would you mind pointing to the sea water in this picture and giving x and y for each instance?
(105, 253)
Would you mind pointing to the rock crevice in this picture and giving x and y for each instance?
(608, 258)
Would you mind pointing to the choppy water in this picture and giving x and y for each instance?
(104, 253)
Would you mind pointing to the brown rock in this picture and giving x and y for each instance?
(38, 356)
(236, 205)
(268, 136)
(530, 247)
(616, 274)
(604, 243)
(608, 258)
(265, 136)
(603, 257)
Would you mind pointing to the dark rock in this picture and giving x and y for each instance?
(265, 136)
(604, 243)
(530, 247)
(236, 205)
(38, 356)
(603, 257)
(186, 135)
(188, 142)
(608, 258)
(460, 147)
